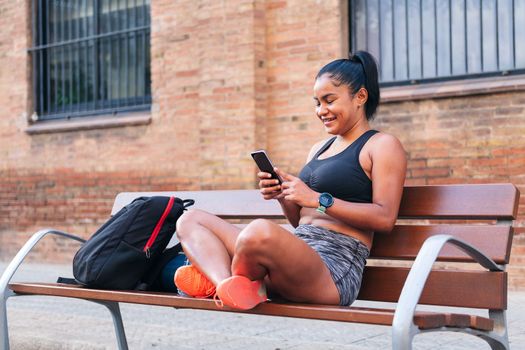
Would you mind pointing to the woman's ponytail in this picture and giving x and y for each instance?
(371, 80)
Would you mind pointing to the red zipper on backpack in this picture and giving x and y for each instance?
(157, 228)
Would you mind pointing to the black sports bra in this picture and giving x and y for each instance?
(340, 175)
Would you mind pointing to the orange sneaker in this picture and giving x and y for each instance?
(192, 282)
(240, 292)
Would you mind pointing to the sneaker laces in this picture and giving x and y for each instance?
(217, 300)
(210, 291)
(194, 283)
(204, 284)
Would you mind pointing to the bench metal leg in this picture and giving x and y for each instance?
(10, 270)
(114, 308)
(4, 334)
(402, 337)
(495, 340)
(494, 344)
(499, 338)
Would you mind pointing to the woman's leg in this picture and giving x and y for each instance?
(209, 242)
(292, 267)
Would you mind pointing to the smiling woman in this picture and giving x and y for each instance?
(350, 187)
(358, 75)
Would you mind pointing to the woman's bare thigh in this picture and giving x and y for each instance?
(295, 270)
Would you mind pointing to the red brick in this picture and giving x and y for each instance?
(289, 43)
(430, 172)
(484, 162)
(508, 151)
(271, 5)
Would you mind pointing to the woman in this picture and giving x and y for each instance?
(350, 187)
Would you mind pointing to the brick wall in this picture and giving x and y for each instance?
(208, 86)
(300, 39)
(67, 200)
(227, 77)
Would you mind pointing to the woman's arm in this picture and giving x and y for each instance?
(388, 176)
(291, 211)
(271, 189)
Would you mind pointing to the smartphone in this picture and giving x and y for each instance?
(265, 164)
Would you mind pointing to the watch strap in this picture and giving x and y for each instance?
(321, 209)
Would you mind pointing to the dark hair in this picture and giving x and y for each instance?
(359, 70)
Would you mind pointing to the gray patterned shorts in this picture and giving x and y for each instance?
(344, 256)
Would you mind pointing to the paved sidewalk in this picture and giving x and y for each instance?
(61, 323)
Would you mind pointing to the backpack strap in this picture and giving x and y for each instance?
(67, 280)
(187, 203)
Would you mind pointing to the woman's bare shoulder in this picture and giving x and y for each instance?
(383, 139)
(315, 148)
(384, 146)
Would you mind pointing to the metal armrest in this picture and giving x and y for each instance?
(403, 328)
(22, 253)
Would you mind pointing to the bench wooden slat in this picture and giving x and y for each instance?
(453, 320)
(321, 312)
(244, 204)
(405, 241)
(479, 322)
(484, 201)
(432, 202)
(423, 320)
(475, 289)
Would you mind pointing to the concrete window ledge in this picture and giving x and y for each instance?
(88, 123)
(453, 88)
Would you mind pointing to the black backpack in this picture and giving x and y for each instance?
(124, 252)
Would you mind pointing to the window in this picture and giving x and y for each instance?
(90, 57)
(428, 40)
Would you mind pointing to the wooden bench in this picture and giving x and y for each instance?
(448, 223)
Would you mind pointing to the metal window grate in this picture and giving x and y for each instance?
(428, 40)
(90, 57)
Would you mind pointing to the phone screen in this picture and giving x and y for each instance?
(263, 162)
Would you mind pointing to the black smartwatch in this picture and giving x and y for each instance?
(325, 201)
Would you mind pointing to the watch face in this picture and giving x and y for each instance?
(326, 200)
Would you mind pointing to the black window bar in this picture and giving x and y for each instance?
(90, 57)
(434, 40)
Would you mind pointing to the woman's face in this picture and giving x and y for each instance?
(337, 109)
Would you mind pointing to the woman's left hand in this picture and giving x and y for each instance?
(293, 189)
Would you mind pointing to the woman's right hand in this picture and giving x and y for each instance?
(270, 188)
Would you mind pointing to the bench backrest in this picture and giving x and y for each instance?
(478, 214)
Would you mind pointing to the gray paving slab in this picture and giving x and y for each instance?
(37, 322)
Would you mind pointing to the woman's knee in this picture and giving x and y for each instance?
(187, 221)
(258, 236)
